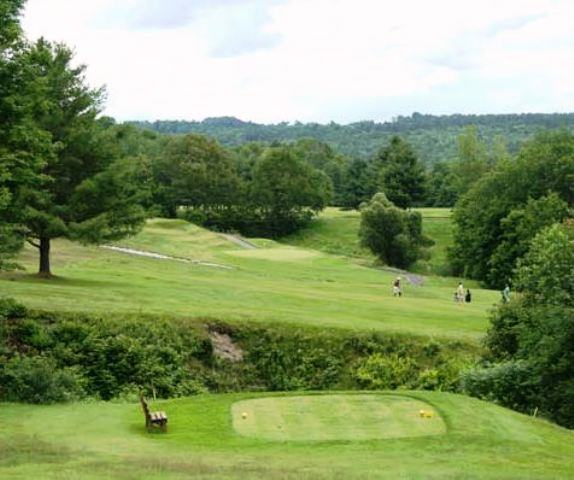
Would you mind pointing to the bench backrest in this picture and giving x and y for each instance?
(144, 406)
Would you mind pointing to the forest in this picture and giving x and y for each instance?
(434, 137)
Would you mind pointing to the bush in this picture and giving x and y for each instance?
(48, 357)
(392, 234)
(10, 308)
(386, 372)
(38, 380)
(507, 383)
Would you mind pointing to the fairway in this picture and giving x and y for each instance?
(274, 284)
(335, 417)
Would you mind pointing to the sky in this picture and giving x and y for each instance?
(270, 61)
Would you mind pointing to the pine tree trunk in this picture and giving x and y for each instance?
(45, 258)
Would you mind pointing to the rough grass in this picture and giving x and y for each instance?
(107, 440)
(273, 284)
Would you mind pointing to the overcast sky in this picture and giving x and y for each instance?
(317, 60)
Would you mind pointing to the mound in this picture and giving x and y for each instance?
(335, 417)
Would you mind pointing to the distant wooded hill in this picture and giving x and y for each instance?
(433, 137)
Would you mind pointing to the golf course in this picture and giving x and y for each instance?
(320, 436)
(199, 274)
(211, 276)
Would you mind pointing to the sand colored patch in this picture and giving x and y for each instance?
(335, 417)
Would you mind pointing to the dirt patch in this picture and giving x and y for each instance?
(223, 347)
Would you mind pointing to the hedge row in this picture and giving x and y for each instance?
(50, 357)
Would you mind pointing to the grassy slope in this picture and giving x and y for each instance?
(336, 231)
(277, 283)
(333, 231)
(98, 440)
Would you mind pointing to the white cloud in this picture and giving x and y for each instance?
(317, 60)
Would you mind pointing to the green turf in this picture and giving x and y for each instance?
(108, 440)
(336, 231)
(276, 283)
(335, 417)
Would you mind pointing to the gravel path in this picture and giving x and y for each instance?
(160, 256)
(412, 278)
(239, 241)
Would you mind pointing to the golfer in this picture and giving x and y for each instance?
(397, 287)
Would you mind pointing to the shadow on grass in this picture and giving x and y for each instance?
(56, 280)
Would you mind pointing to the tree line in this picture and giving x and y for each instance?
(433, 137)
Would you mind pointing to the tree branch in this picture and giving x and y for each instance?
(37, 245)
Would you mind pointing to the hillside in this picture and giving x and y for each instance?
(208, 438)
(433, 137)
(220, 279)
(336, 231)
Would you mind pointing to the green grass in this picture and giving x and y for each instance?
(336, 231)
(437, 225)
(335, 417)
(107, 440)
(277, 283)
(322, 436)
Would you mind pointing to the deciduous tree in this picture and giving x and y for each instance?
(393, 234)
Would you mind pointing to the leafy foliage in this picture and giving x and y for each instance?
(39, 380)
(401, 177)
(484, 217)
(434, 138)
(82, 196)
(532, 337)
(23, 146)
(257, 190)
(519, 227)
(58, 357)
(394, 235)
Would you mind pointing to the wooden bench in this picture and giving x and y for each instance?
(153, 419)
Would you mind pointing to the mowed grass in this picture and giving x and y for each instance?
(336, 231)
(437, 225)
(108, 440)
(277, 283)
(335, 417)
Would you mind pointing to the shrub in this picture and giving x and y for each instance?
(10, 308)
(507, 383)
(386, 372)
(48, 355)
(392, 234)
(38, 380)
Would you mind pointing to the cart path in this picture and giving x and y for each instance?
(239, 241)
(161, 256)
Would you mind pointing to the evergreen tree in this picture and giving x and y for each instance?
(401, 177)
(82, 195)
